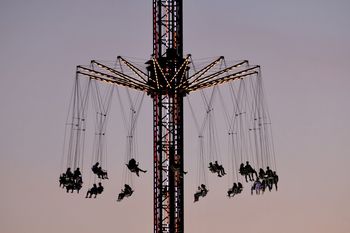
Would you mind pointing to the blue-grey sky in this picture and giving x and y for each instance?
(303, 48)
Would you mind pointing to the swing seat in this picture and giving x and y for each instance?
(124, 194)
(132, 168)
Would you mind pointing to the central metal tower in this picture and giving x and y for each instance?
(168, 68)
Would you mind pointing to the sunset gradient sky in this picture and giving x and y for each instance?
(303, 47)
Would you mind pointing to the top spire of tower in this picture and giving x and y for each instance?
(167, 28)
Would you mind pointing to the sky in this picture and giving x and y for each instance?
(303, 48)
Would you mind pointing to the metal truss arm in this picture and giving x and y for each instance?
(183, 65)
(136, 70)
(117, 73)
(212, 77)
(155, 66)
(110, 79)
(222, 80)
(216, 74)
(204, 70)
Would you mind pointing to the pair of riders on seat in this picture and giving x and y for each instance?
(71, 181)
(237, 188)
(268, 180)
(202, 192)
(270, 177)
(133, 166)
(126, 192)
(94, 190)
(247, 171)
(216, 168)
(263, 174)
(96, 169)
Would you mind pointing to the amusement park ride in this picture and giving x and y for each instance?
(168, 78)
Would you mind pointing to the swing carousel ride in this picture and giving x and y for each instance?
(169, 78)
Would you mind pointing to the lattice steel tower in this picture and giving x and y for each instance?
(169, 73)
